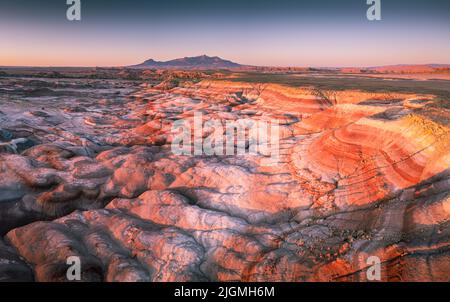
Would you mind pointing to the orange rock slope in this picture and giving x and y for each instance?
(360, 176)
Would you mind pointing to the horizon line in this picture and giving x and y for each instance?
(243, 65)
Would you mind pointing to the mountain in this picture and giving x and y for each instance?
(199, 62)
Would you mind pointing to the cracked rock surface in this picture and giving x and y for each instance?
(87, 170)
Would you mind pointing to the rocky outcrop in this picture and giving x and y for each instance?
(363, 176)
(12, 267)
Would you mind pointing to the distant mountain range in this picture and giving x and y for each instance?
(206, 62)
(199, 62)
(400, 68)
(405, 68)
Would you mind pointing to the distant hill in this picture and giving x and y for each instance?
(400, 68)
(199, 62)
(425, 68)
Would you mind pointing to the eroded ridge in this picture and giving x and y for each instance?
(359, 175)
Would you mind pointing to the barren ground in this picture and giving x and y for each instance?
(86, 170)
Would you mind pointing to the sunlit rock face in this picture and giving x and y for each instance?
(358, 177)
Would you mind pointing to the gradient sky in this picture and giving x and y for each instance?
(256, 32)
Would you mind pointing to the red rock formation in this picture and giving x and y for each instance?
(364, 177)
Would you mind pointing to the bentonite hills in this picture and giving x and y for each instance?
(87, 170)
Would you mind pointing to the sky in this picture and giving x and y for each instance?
(319, 33)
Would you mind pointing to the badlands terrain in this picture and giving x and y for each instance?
(87, 170)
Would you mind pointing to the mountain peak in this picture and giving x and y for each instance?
(198, 62)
